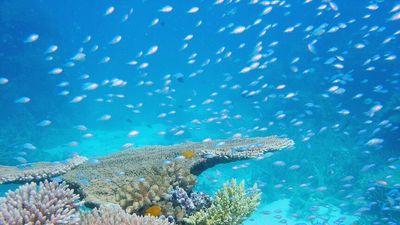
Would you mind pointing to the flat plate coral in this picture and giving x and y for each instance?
(100, 182)
(38, 171)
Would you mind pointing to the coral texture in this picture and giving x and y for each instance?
(193, 203)
(155, 188)
(100, 182)
(49, 203)
(114, 215)
(38, 171)
(232, 205)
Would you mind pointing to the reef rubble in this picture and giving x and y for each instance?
(102, 181)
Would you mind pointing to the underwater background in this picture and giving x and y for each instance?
(95, 77)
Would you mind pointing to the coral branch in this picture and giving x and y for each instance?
(48, 203)
(114, 215)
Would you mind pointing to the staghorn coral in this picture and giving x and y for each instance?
(155, 188)
(49, 203)
(231, 206)
(38, 171)
(111, 215)
(103, 179)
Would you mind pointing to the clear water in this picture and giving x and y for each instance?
(327, 77)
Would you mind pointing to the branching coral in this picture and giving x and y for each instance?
(156, 188)
(134, 198)
(110, 215)
(49, 203)
(177, 173)
(232, 205)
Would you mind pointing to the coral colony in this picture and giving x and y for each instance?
(132, 188)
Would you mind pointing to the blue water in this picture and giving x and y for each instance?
(332, 128)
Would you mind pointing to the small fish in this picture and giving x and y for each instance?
(333, 5)
(88, 135)
(78, 99)
(155, 22)
(373, 7)
(90, 86)
(294, 167)
(80, 56)
(105, 117)
(115, 40)
(133, 133)
(395, 17)
(21, 159)
(375, 141)
(367, 167)
(193, 10)
(32, 38)
(44, 123)
(152, 50)
(322, 189)
(127, 146)
(3, 81)
(109, 11)
(51, 49)
(395, 8)
(81, 127)
(23, 100)
(179, 133)
(238, 30)
(279, 163)
(56, 71)
(381, 182)
(29, 146)
(166, 9)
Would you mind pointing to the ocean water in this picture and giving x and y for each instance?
(76, 77)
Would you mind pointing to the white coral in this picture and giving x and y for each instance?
(48, 203)
(112, 215)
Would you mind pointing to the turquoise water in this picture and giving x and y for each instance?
(323, 73)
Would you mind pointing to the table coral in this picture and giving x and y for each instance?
(99, 183)
(38, 171)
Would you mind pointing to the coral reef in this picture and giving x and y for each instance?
(114, 215)
(100, 182)
(46, 204)
(232, 205)
(38, 171)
